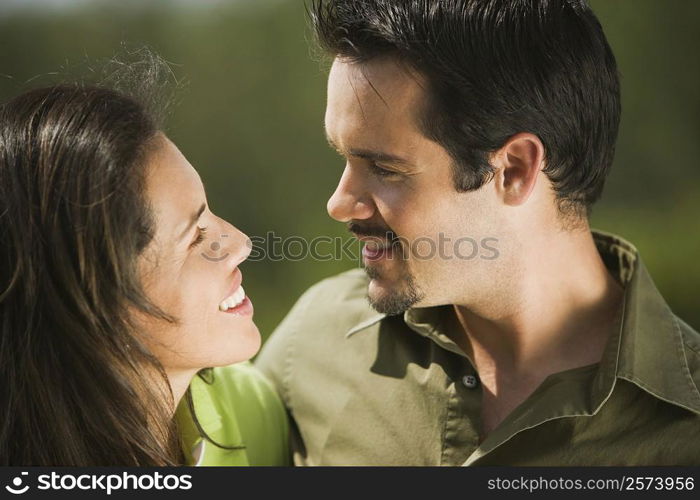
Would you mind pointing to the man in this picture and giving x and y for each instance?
(490, 326)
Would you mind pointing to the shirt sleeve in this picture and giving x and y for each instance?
(258, 411)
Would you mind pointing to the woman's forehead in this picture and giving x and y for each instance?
(173, 187)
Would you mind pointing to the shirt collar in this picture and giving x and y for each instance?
(652, 353)
(365, 323)
(647, 350)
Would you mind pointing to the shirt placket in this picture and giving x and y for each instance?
(463, 418)
(463, 398)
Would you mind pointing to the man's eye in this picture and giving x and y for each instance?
(201, 232)
(381, 172)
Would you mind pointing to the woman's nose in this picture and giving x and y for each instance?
(235, 244)
(350, 199)
(242, 245)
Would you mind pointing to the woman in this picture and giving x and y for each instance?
(112, 297)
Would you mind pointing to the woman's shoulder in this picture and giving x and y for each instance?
(243, 380)
(241, 396)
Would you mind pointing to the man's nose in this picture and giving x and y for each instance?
(350, 199)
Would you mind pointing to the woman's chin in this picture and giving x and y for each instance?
(250, 343)
(241, 344)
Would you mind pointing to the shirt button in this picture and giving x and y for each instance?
(470, 381)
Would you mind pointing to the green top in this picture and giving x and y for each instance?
(365, 388)
(239, 408)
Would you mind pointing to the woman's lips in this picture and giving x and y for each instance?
(233, 300)
(236, 301)
(237, 280)
(245, 308)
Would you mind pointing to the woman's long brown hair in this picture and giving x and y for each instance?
(74, 383)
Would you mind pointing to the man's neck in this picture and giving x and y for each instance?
(557, 314)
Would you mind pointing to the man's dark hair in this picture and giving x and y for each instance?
(495, 68)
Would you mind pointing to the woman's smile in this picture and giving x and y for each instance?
(236, 302)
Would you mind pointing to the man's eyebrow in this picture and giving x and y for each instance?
(371, 155)
(193, 220)
(379, 156)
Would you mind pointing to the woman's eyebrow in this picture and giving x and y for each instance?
(193, 220)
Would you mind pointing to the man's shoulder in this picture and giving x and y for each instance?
(347, 286)
(314, 328)
(337, 303)
(320, 318)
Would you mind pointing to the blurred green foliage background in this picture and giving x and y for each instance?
(250, 120)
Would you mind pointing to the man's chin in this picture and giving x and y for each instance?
(392, 298)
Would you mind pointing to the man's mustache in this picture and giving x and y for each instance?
(372, 231)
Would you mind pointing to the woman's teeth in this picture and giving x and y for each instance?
(233, 301)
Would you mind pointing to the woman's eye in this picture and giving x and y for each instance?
(201, 232)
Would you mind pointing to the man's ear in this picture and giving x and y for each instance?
(518, 162)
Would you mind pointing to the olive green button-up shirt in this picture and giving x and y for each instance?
(363, 388)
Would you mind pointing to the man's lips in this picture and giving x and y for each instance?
(376, 248)
(374, 254)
